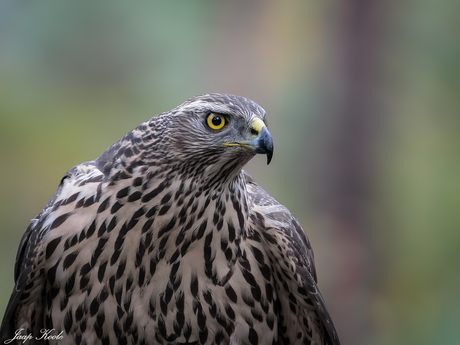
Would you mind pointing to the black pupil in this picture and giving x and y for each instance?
(216, 121)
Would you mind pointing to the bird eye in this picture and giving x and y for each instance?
(216, 121)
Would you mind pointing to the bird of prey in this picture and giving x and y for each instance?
(164, 239)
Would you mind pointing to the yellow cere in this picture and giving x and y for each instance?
(216, 121)
(257, 125)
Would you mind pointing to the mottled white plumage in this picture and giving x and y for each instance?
(165, 239)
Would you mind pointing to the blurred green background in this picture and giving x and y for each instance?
(362, 99)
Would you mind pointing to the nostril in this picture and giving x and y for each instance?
(254, 131)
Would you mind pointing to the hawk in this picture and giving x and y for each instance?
(164, 239)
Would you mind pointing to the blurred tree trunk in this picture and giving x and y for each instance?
(342, 174)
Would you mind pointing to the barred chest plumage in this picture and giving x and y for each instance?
(163, 261)
(163, 239)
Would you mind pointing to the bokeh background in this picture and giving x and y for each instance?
(363, 102)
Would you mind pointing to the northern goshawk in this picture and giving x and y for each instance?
(164, 239)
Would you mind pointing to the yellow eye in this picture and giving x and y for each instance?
(216, 121)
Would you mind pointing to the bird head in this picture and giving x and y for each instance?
(211, 135)
(218, 131)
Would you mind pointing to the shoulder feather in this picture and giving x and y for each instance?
(280, 222)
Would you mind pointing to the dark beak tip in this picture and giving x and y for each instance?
(269, 157)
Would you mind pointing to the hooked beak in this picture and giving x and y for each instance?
(263, 144)
(261, 140)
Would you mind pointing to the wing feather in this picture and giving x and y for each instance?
(28, 272)
(294, 254)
